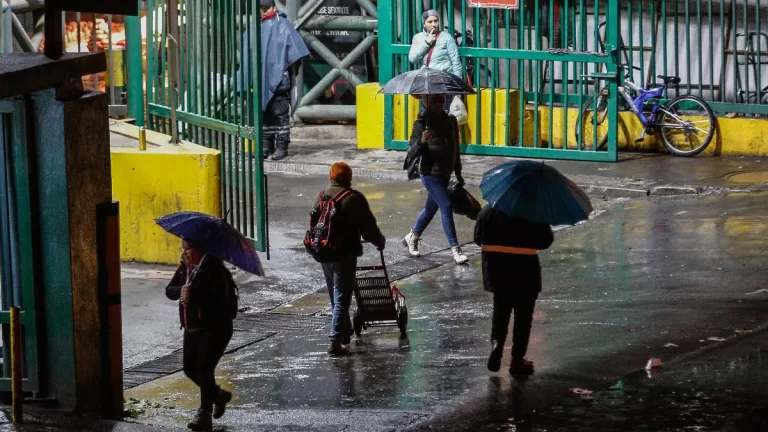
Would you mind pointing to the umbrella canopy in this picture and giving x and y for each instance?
(427, 81)
(535, 192)
(214, 236)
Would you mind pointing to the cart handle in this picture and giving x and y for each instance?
(383, 263)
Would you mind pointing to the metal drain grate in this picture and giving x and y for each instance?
(282, 322)
(174, 362)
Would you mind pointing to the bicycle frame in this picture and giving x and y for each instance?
(643, 96)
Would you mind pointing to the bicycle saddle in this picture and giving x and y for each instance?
(669, 79)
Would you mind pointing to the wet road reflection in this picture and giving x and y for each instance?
(617, 290)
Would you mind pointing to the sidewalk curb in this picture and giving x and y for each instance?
(399, 175)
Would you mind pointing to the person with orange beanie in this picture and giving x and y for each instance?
(354, 220)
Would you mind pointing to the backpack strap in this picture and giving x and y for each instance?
(341, 195)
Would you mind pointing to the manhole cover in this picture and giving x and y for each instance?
(749, 177)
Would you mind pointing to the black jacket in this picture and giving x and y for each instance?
(207, 307)
(355, 220)
(521, 273)
(441, 155)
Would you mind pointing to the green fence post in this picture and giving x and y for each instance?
(385, 62)
(261, 193)
(133, 64)
(612, 36)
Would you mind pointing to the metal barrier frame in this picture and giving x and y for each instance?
(389, 50)
(206, 113)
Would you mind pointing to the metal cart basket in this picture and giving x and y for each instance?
(378, 302)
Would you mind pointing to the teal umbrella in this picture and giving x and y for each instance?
(535, 192)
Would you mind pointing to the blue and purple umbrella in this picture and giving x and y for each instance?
(214, 236)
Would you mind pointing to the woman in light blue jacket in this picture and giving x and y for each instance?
(435, 49)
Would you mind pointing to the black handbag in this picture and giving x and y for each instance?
(462, 201)
(412, 161)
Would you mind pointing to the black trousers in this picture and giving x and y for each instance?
(505, 302)
(202, 351)
(277, 124)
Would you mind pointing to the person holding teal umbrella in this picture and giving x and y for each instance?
(524, 199)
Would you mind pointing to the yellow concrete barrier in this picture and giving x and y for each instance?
(161, 180)
(735, 136)
(370, 118)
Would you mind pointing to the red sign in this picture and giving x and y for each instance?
(495, 4)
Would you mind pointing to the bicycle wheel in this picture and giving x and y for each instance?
(687, 125)
(592, 129)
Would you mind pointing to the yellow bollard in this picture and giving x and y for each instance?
(17, 394)
(143, 139)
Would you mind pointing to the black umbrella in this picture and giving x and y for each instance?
(427, 81)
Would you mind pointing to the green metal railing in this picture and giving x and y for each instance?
(546, 48)
(518, 52)
(200, 87)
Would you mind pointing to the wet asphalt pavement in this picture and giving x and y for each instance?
(150, 323)
(646, 278)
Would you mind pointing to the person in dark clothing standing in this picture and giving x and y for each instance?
(436, 133)
(277, 119)
(277, 114)
(282, 50)
(356, 220)
(512, 272)
(203, 286)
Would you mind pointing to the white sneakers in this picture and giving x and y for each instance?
(458, 255)
(411, 241)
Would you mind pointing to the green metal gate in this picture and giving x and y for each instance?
(17, 276)
(534, 69)
(199, 87)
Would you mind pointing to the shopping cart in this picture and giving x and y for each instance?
(378, 302)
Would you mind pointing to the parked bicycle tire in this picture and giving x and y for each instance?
(586, 122)
(677, 105)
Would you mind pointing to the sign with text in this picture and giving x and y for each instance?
(341, 43)
(495, 4)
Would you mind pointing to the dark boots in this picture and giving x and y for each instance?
(518, 366)
(281, 145)
(277, 126)
(269, 144)
(337, 349)
(203, 421)
(521, 366)
(220, 405)
(494, 359)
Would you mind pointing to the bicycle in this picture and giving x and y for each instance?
(685, 115)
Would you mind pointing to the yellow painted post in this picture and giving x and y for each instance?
(370, 116)
(143, 139)
(17, 394)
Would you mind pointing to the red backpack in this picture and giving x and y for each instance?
(321, 240)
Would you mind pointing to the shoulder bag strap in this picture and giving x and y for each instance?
(431, 50)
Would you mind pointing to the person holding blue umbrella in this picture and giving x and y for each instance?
(208, 300)
(524, 199)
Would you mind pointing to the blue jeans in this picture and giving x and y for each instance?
(340, 280)
(437, 198)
